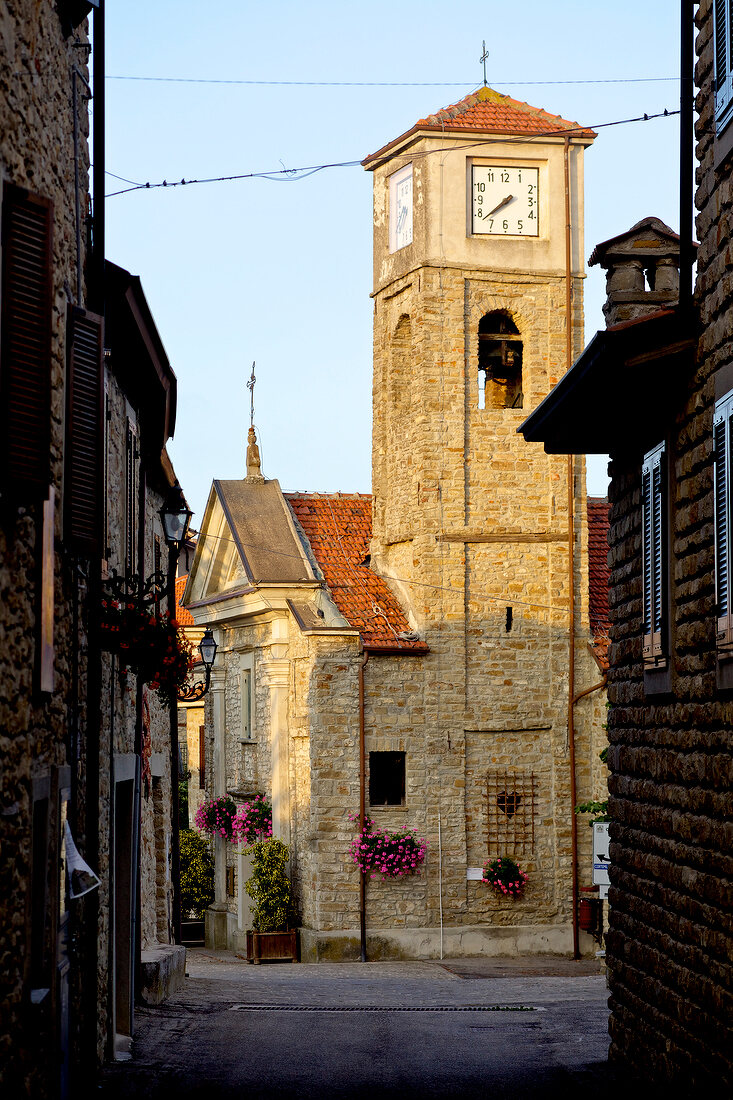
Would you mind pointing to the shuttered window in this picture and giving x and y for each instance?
(723, 62)
(83, 490)
(722, 443)
(25, 342)
(654, 512)
(131, 457)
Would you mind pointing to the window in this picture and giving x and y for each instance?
(202, 757)
(723, 63)
(25, 351)
(386, 778)
(400, 208)
(499, 362)
(722, 443)
(654, 513)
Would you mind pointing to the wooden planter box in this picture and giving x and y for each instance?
(272, 947)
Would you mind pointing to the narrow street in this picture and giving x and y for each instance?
(469, 1027)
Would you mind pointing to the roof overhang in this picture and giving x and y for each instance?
(401, 145)
(622, 391)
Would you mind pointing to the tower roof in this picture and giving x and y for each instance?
(489, 112)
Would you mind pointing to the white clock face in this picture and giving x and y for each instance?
(400, 208)
(505, 202)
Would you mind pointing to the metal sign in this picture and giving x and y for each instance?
(601, 860)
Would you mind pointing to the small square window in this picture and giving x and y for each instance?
(386, 778)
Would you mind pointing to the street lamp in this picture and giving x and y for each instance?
(175, 516)
(207, 649)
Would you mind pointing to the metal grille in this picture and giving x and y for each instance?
(511, 805)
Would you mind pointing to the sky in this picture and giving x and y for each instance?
(278, 270)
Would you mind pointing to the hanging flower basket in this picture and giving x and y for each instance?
(148, 642)
(391, 855)
(505, 876)
(217, 817)
(253, 821)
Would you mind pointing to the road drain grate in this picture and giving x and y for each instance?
(380, 1008)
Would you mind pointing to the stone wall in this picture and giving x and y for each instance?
(669, 943)
(40, 733)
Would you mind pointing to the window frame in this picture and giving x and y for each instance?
(723, 67)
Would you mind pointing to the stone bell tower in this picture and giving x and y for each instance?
(478, 280)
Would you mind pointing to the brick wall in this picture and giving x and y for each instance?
(669, 942)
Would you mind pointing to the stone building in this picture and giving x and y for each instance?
(447, 615)
(670, 681)
(87, 403)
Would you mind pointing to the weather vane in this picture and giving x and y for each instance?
(483, 58)
(251, 388)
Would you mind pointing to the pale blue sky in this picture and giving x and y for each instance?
(280, 271)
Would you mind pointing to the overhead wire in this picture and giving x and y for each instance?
(294, 175)
(384, 83)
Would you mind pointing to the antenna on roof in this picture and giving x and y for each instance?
(483, 58)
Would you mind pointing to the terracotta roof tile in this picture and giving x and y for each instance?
(184, 616)
(488, 111)
(598, 577)
(339, 529)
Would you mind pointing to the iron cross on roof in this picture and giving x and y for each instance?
(251, 388)
(483, 58)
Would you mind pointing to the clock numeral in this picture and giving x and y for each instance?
(505, 177)
(479, 213)
(531, 214)
(480, 186)
(519, 175)
(491, 224)
(490, 177)
(505, 225)
(519, 226)
(480, 199)
(530, 188)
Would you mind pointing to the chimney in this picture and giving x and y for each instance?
(642, 270)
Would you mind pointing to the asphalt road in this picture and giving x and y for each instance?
(465, 1028)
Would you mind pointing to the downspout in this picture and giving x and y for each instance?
(686, 157)
(175, 775)
(571, 562)
(362, 803)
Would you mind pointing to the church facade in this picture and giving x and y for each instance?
(428, 649)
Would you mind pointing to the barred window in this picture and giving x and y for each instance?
(511, 798)
(723, 63)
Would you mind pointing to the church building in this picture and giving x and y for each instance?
(435, 649)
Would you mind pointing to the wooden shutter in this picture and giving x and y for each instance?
(131, 502)
(25, 346)
(722, 443)
(723, 38)
(83, 505)
(654, 568)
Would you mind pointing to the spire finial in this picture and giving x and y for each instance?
(254, 471)
(483, 59)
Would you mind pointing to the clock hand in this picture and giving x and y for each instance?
(502, 203)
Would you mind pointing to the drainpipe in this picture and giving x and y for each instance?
(571, 560)
(362, 802)
(686, 157)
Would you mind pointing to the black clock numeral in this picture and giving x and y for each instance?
(490, 177)
(519, 175)
(505, 176)
(519, 226)
(530, 214)
(479, 213)
(480, 186)
(530, 188)
(491, 224)
(505, 225)
(480, 199)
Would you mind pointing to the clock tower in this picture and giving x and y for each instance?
(478, 311)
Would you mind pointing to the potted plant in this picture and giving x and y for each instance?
(197, 885)
(391, 855)
(218, 817)
(505, 876)
(272, 937)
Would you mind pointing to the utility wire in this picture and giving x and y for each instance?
(294, 175)
(387, 83)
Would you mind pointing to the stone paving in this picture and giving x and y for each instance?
(534, 1028)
